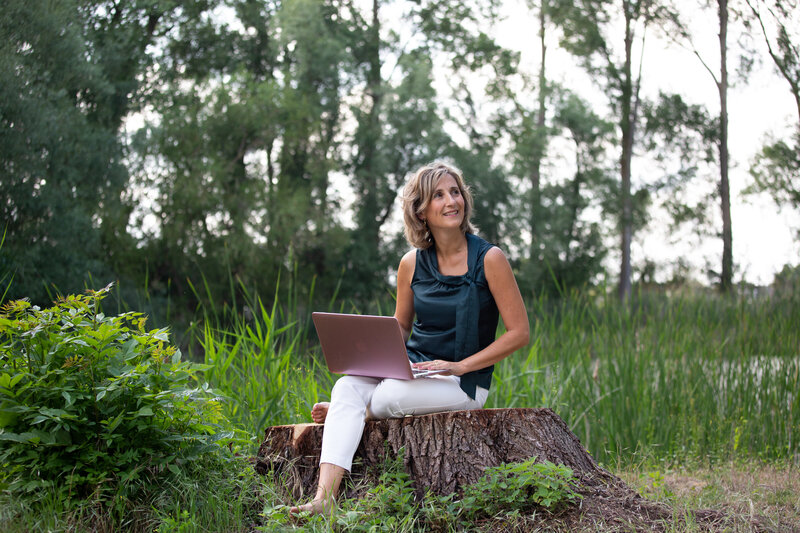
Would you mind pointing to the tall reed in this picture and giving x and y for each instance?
(261, 359)
(701, 376)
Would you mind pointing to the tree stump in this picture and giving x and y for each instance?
(443, 451)
(446, 451)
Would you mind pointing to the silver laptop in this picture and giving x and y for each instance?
(365, 345)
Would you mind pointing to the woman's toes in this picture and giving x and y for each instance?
(319, 412)
(314, 507)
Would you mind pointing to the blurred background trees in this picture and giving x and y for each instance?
(187, 147)
(777, 167)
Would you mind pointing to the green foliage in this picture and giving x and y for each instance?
(776, 169)
(690, 165)
(675, 376)
(57, 165)
(263, 120)
(569, 250)
(388, 505)
(256, 204)
(685, 377)
(778, 22)
(787, 281)
(94, 405)
(509, 487)
(215, 492)
(71, 73)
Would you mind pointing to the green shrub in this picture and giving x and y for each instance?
(523, 485)
(95, 405)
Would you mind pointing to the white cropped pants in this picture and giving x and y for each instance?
(355, 398)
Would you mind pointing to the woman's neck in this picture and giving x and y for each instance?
(449, 243)
(451, 253)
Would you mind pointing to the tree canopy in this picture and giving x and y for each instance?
(179, 145)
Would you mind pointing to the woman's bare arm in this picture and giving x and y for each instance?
(404, 306)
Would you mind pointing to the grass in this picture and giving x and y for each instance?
(505, 494)
(669, 378)
(212, 495)
(752, 494)
(232, 498)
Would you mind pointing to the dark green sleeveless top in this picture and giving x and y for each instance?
(456, 315)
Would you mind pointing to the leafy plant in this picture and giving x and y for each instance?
(522, 485)
(92, 404)
(389, 505)
(394, 492)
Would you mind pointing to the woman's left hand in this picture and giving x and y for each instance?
(450, 368)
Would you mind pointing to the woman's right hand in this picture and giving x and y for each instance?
(450, 368)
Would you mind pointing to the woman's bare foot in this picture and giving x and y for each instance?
(330, 476)
(318, 414)
(316, 506)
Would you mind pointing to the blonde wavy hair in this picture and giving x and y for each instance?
(417, 194)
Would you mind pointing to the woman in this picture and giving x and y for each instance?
(456, 284)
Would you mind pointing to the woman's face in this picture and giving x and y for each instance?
(446, 208)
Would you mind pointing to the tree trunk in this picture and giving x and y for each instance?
(368, 180)
(626, 200)
(536, 178)
(726, 278)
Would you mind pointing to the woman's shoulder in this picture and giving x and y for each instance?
(406, 270)
(496, 265)
(409, 259)
(408, 265)
(494, 256)
(485, 248)
(491, 258)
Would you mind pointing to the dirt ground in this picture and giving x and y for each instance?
(739, 497)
